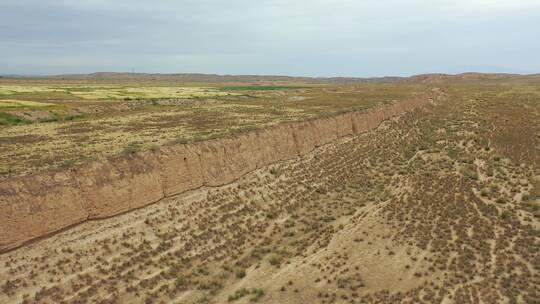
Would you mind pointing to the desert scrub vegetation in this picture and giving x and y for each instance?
(255, 293)
(7, 119)
(240, 273)
(401, 216)
(274, 259)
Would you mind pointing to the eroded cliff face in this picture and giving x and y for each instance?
(35, 206)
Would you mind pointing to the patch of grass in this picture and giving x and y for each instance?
(73, 117)
(274, 259)
(240, 273)
(68, 163)
(7, 119)
(260, 88)
(452, 153)
(501, 200)
(131, 149)
(180, 141)
(469, 173)
(257, 294)
(13, 103)
(532, 207)
(274, 171)
(242, 292)
(505, 215)
(53, 118)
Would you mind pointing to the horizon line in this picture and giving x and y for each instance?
(11, 75)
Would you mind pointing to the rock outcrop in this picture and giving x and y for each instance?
(36, 206)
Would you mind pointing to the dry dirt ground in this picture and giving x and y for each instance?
(439, 206)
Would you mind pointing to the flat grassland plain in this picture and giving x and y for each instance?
(440, 205)
(53, 123)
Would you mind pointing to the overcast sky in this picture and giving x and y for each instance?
(278, 37)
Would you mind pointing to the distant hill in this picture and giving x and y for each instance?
(195, 77)
(471, 77)
(433, 78)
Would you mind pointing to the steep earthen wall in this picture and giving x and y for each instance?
(35, 206)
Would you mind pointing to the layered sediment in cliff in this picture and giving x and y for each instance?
(35, 206)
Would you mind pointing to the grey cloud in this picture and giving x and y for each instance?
(317, 37)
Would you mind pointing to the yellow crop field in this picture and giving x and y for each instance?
(116, 92)
(12, 103)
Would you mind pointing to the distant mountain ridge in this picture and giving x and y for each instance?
(199, 77)
(196, 77)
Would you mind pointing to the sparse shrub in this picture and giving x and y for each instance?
(179, 282)
(68, 163)
(240, 273)
(238, 294)
(7, 119)
(501, 200)
(274, 259)
(322, 190)
(272, 214)
(257, 294)
(469, 173)
(180, 141)
(53, 118)
(73, 117)
(131, 149)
